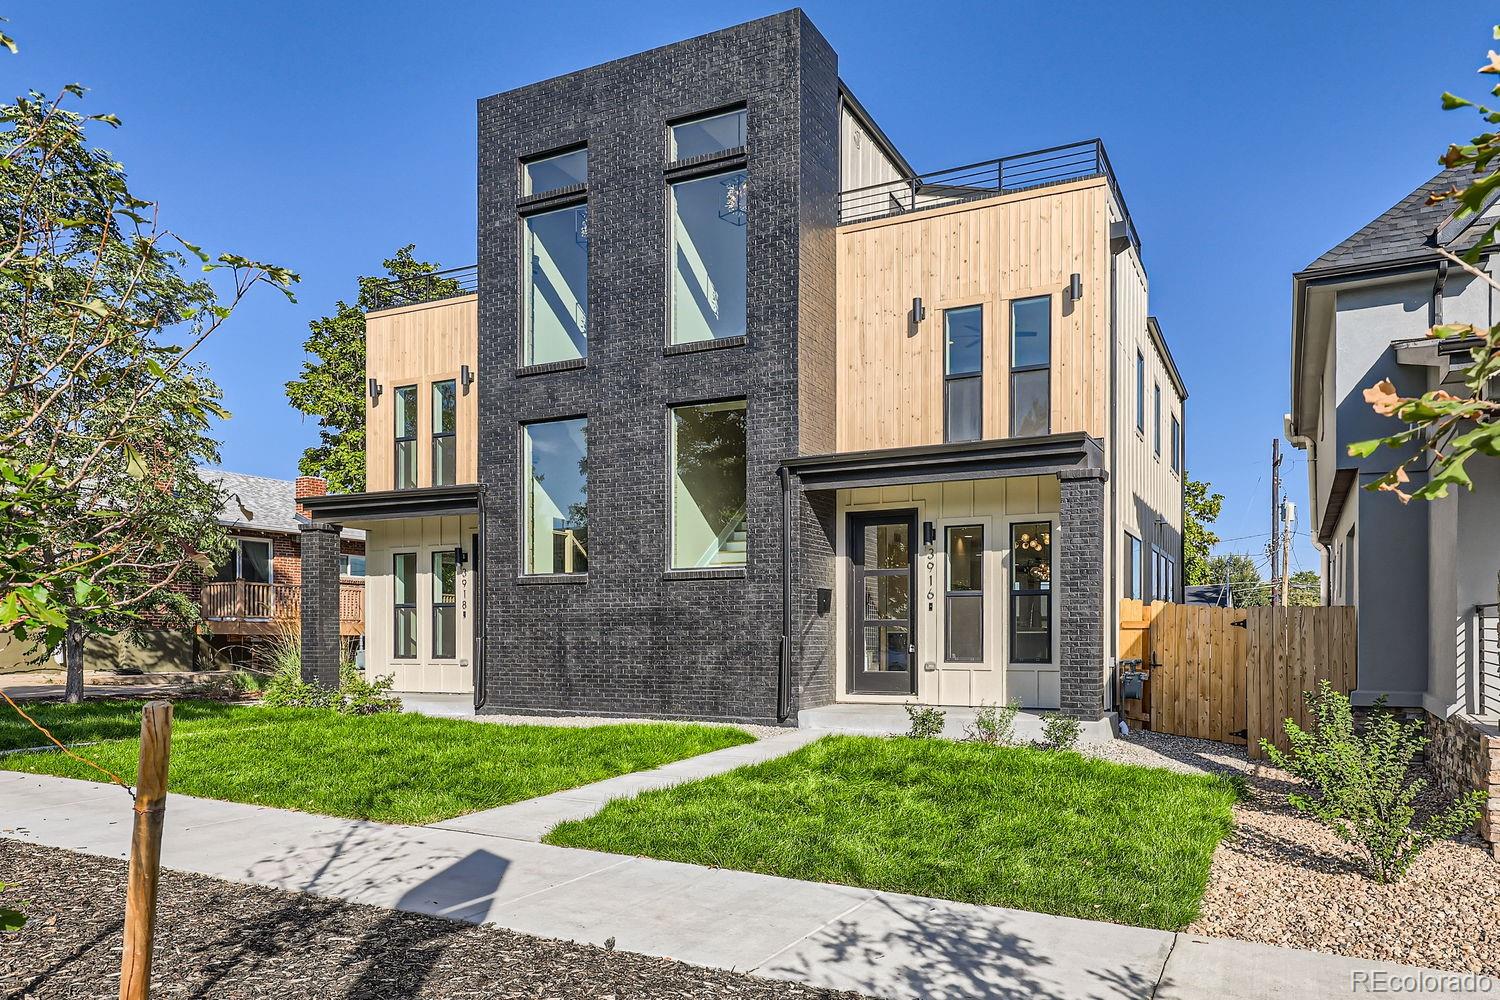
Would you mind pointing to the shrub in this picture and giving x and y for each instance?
(994, 724)
(358, 696)
(1060, 732)
(287, 689)
(926, 722)
(1361, 785)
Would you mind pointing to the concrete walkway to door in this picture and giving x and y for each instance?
(883, 944)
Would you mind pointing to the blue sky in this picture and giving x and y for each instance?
(1248, 140)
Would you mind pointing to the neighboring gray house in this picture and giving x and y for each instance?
(1423, 575)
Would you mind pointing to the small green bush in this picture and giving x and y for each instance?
(1060, 732)
(994, 724)
(926, 722)
(1361, 783)
(353, 696)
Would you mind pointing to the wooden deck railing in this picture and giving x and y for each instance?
(240, 600)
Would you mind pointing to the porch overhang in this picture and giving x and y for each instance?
(998, 459)
(384, 505)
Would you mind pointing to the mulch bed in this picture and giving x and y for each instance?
(227, 941)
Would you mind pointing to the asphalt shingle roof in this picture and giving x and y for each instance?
(1404, 230)
(270, 503)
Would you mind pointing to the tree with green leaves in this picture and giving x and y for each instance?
(1305, 589)
(1201, 508)
(1443, 431)
(104, 419)
(332, 385)
(1241, 575)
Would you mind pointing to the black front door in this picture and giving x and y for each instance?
(882, 631)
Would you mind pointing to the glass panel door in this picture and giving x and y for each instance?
(883, 638)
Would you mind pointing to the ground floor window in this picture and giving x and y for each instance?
(444, 604)
(1031, 592)
(963, 598)
(1134, 570)
(708, 525)
(555, 497)
(404, 591)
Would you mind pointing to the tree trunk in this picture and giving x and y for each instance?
(73, 661)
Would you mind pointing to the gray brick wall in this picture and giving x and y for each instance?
(1080, 611)
(631, 640)
(320, 603)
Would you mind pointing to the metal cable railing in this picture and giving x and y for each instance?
(1020, 172)
(427, 287)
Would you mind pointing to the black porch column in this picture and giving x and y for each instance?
(1081, 585)
(320, 603)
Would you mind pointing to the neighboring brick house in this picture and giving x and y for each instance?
(738, 415)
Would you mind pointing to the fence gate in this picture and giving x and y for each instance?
(1233, 674)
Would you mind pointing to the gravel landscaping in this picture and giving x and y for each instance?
(234, 942)
(1279, 878)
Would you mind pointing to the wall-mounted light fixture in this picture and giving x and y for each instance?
(918, 310)
(929, 533)
(460, 557)
(375, 391)
(465, 377)
(1075, 286)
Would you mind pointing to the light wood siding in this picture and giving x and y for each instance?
(1144, 486)
(422, 536)
(418, 345)
(890, 385)
(862, 161)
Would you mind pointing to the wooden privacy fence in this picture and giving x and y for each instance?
(1234, 674)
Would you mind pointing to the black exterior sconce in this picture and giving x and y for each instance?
(1075, 286)
(375, 391)
(918, 310)
(466, 377)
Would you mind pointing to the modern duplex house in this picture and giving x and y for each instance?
(739, 415)
(1423, 575)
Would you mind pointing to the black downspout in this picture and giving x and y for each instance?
(784, 674)
(481, 562)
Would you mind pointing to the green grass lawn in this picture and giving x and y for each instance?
(396, 768)
(1008, 826)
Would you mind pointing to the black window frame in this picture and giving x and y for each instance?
(1135, 581)
(438, 437)
(399, 606)
(437, 606)
(950, 595)
(1156, 422)
(409, 441)
(1176, 444)
(1014, 595)
(523, 509)
(1016, 369)
(950, 378)
(1140, 393)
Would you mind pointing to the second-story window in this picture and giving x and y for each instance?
(406, 437)
(555, 497)
(555, 296)
(963, 374)
(1031, 367)
(1140, 392)
(707, 257)
(1176, 444)
(1156, 422)
(444, 433)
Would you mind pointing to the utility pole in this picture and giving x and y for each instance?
(1288, 518)
(1275, 517)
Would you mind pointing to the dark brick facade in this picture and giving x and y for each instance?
(632, 638)
(1080, 611)
(321, 647)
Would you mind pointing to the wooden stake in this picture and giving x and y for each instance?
(145, 850)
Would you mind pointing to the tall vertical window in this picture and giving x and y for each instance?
(1134, 571)
(444, 433)
(701, 136)
(555, 497)
(1176, 444)
(1349, 566)
(552, 173)
(1156, 422)
(707, 257)
(963, 373)
(555, 296)
(1030, 367)
(404, 594)
(708, 485)
(1140, 392)
(1031, 592)
(963, 597)
(444, 605)
(406, 437)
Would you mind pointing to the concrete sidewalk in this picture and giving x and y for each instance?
(883, 944)
(532, 818)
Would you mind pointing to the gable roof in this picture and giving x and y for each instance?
(1403, 231)
(260, 503)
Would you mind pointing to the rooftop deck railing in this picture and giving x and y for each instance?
(453, 282)
(1021, 172)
